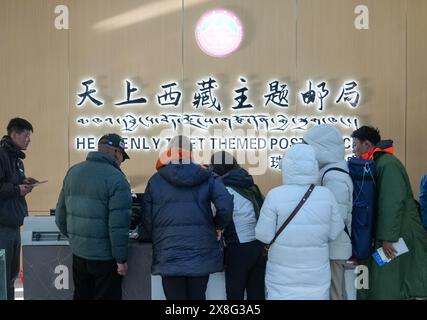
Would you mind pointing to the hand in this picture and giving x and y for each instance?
(24, 189)
(122, 268)
(219, 234)
(30, 181)
(389, 250)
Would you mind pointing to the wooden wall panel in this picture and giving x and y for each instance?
(112, 41)
(330, 48)
(33, 85)
(416, 112)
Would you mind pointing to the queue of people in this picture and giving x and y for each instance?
(202, 219)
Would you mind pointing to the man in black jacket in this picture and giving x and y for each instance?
(14, 186)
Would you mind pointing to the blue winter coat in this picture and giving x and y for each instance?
(423, 199)
(179, 218)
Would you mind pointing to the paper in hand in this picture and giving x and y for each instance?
(38, 183)
(380, 257)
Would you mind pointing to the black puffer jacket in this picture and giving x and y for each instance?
(13, 207)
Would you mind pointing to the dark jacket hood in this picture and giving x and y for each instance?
(384, 144)
(184, 174)
(7, 143)
(238, 178)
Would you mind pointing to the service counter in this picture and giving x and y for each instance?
(47, 267)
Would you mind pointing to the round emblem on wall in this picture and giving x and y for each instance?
(219, 32)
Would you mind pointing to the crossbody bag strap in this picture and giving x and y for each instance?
(333, 169)
(292, 215)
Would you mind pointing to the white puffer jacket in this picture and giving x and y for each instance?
(298, 261)
(327, 142)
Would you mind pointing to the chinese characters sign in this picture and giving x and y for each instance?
(137, 114)
(204, 96)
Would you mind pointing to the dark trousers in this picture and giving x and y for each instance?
(96, 280)
(10, 240)
(185, 288)
(245, 270)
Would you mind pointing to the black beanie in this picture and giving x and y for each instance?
(222, 162)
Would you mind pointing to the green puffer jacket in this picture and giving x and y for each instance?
(397, 216)
(94, 209)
